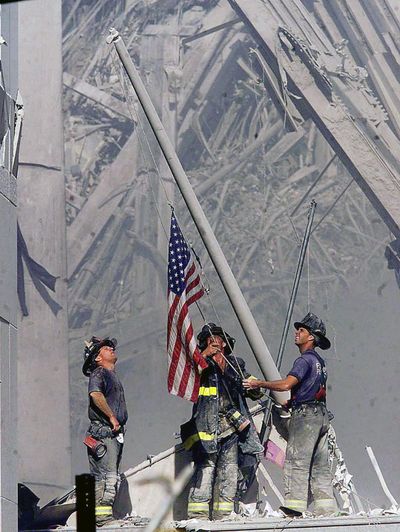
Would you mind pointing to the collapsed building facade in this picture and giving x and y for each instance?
(269, 104)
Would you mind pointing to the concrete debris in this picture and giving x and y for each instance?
(127, 522)
(380, 511)
(342, 479)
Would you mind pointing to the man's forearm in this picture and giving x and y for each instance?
(100, 401)
(276, 386)
(282, 385)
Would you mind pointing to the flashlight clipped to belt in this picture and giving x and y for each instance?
(97, 448)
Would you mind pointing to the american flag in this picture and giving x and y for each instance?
(184, 288)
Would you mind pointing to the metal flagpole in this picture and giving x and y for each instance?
(238, 302)
(289, 313)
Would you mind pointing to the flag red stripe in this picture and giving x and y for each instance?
(176, 351)
(193, 284)
(189, 364)
(171, 314)
(196, 388)
(178, 347)
(191, 271)
(195, 297)
(174, 363)
(178, 344)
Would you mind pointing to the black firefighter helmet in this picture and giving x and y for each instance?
(91, 351)
(317, 328)
(210, 329)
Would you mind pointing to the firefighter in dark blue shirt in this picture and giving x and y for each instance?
(107, 415)
(307, 467)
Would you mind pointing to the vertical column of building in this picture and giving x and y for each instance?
(8, 276)
(43, 384)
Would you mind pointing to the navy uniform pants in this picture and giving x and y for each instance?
(214, 486)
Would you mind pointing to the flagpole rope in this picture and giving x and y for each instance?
(135, 117)
(121, 78)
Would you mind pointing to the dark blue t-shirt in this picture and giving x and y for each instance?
(107, 382)
(310, 370)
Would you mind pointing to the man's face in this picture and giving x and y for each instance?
(107, 354)
(302, 336)
(216, 341)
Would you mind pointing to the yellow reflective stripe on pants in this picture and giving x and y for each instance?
(103, 510)
(198, 507)
(204, 436)
(207, 390)
(294, 504)
(223, 506)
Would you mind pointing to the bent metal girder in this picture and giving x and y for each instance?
(356, 139)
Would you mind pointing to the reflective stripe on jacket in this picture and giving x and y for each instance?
(200, 433)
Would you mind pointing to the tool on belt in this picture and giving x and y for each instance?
(96, 447)
(237, 419)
